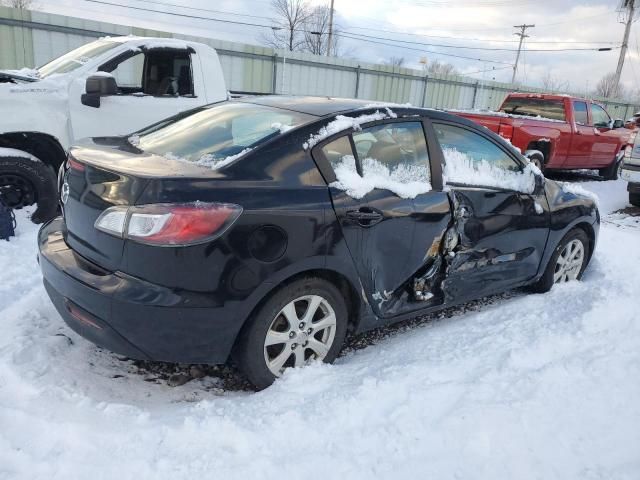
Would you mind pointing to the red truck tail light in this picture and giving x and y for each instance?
(505, 131)
(169, 224)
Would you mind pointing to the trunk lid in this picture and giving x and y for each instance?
(103, 173)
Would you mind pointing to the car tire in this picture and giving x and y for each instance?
(24, 182)
(634, 199)
(612, 172)
(548, 278)
(271, 324)
(537, 159)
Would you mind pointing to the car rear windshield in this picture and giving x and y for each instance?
(76, 58)
(534, 107)
(217, 132)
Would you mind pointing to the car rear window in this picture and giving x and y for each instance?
(534, 107)
(218, 132)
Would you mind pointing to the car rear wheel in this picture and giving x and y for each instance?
(303, 322)
(568, 262)
(634, 199)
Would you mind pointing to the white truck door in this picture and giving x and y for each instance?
(153, 84)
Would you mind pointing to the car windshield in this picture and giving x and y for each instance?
(76, 58)
(217, 132)
(534, 107)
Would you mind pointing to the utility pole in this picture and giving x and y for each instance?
(629, 5)
(330, 29)
(522, 35)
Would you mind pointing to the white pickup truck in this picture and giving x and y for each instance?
(112, 86)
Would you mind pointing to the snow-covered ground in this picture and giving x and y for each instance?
(515, 387)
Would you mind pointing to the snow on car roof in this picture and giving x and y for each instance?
(153, 42)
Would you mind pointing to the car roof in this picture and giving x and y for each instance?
(317, 106)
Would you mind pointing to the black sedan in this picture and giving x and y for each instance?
(266, 228)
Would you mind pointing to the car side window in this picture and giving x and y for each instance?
(462, 145)
(162, 72)
(128, 74)
(600, 117)
(399, 147)
(168, 72)
(580, 113)
(339, 152)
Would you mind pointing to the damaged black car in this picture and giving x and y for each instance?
(266, 228)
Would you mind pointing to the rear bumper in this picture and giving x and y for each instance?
(128, 315)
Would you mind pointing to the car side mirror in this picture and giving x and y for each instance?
(99, 85)
(618, 123)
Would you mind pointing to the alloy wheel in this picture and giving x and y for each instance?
(303, 331)
(569, 263)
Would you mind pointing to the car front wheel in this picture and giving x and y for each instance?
(305, 321)
(567, 263)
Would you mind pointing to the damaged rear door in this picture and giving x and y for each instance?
(500, 214)
(393, 231)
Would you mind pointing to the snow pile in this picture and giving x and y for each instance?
(406, 181)
(134, 140)
(623, 220)
(387, 105)
(342, 123)
(12, 152)
(282, 127)
(461, 169)
(576, 189)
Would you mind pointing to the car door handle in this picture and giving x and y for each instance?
(365, 216)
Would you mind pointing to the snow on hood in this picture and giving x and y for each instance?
(24, 74)
(579, 191)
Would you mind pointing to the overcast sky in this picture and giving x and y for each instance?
(488, 24)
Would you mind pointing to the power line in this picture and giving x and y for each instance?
(235, 22)
(423, 50)
(464, 47)
(488, 40)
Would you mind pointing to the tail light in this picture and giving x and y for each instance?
(75, 165)
(505, 131)
(169, 224)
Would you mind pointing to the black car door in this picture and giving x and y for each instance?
(500, 213)
(389, 214)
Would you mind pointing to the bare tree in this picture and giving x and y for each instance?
(290, 19)
(395, 61)
(316, 32)
(554, 84)
(21, 4)
(440, 68)
(606, 87)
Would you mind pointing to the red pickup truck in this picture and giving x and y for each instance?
(559, 132)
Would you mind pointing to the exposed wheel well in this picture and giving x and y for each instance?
(40, 145)
(348, 291)
(543, 147)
